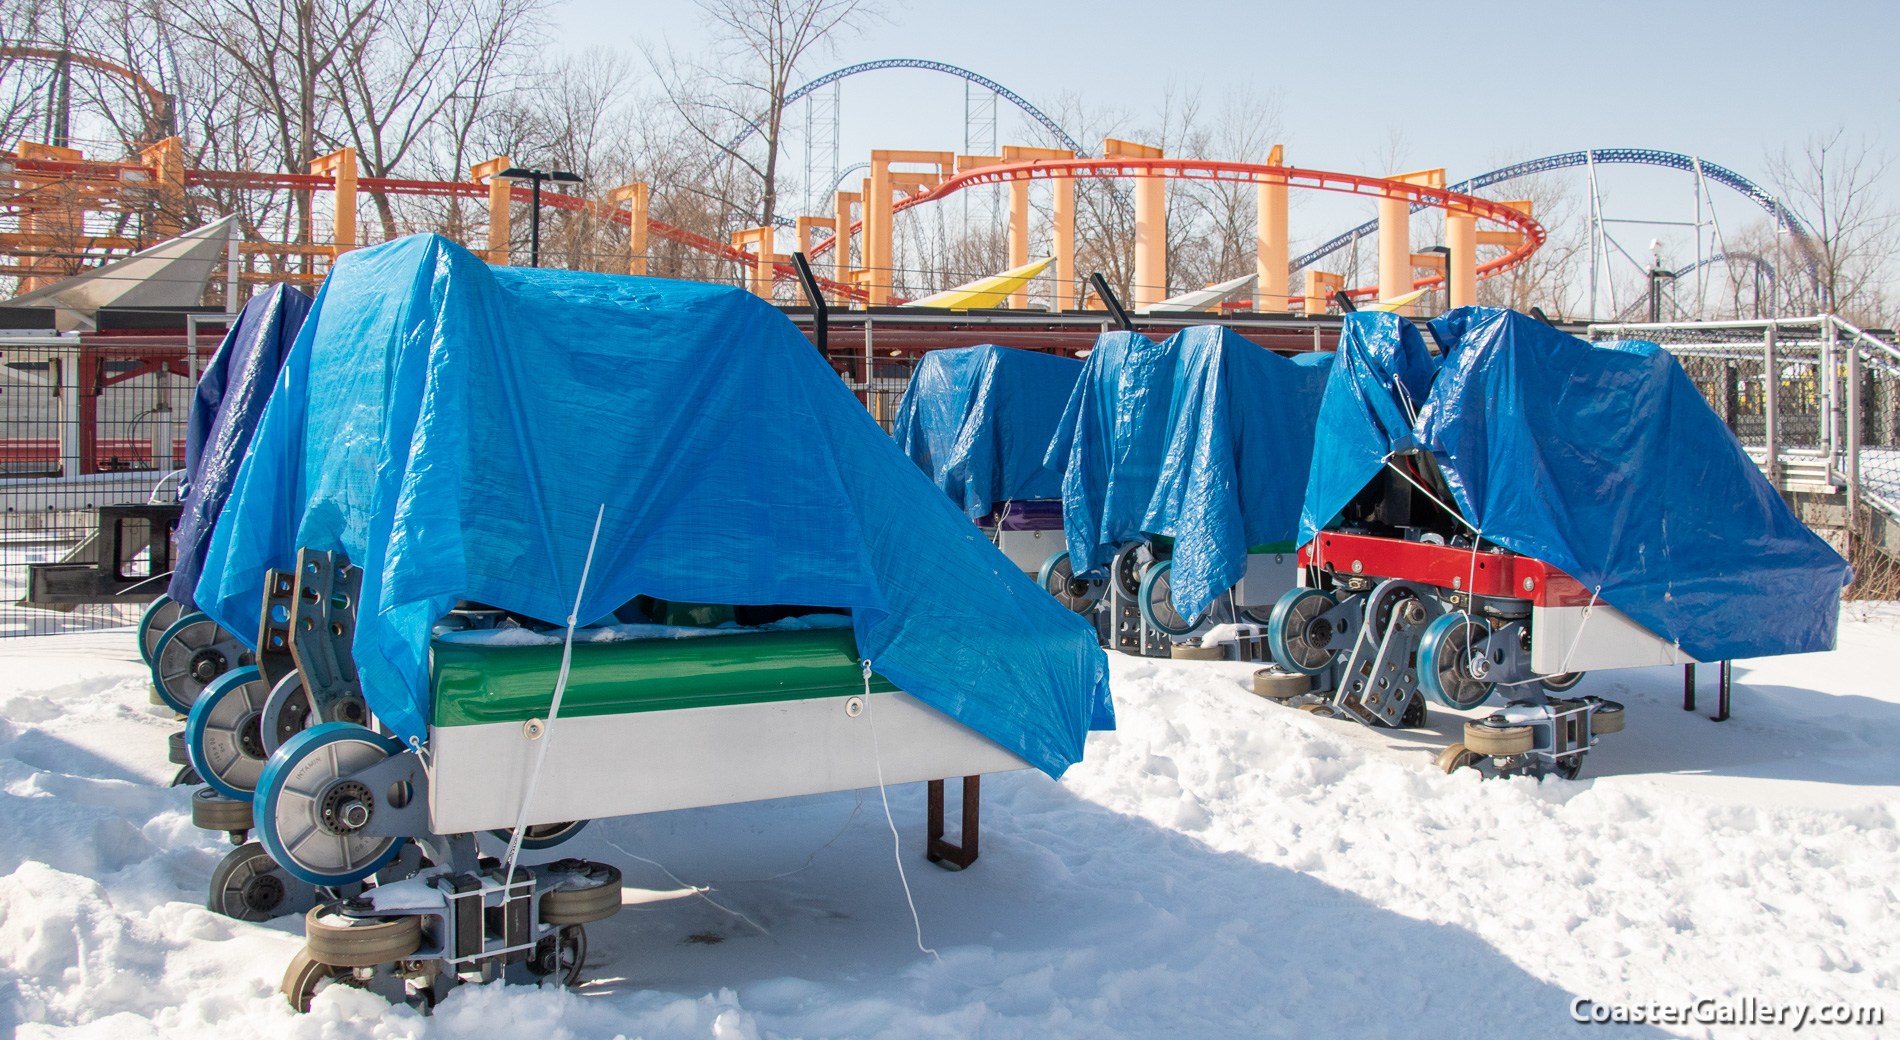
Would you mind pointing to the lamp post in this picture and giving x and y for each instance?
(1444, 251)
(534, 206)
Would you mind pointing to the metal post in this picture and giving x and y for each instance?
(1721, 694)
(1688, 687)
(1852, 469)
(1771, 406)
(534, 225)
(1830, 395)
(67, 363)
(231, 268)
(162, 418)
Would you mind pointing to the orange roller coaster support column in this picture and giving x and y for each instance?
(61, 225)
(342, 165)
(167, 159)
(498, 195)
(1320, 287)
(635, 195)
(841, 225)
(1151, 224)
(1395, 236)
(878, 213)
(1269, 292)
(1019, 220)
(1461, 237)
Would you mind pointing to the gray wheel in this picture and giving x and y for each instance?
(191, 653)
(186, 777)
(286, 713)
(307, 976)
(1190, 652)
(1457, 757)
(1277, 685)
(561, 956)
(1563, 683)
(1496, 741)
(586, 892)
(1608, 718)
(175, 749)
(332, 937)
(214, 812)
(249, 886)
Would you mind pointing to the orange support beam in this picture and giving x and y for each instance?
(1270, 240)
(167, 160)
(342, 164)
(1151, 223)
(498, 197)
(1064, 244)
(842, 202)
(878, 215)
(1395, 235)
(636, 197)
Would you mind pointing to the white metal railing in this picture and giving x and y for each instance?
(1852, 375)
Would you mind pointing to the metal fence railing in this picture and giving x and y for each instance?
(86, 421)
(1816, 400)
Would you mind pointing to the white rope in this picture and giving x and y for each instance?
(554, 707)
(897, 845)
(698, 890)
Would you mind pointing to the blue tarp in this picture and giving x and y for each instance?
(453, 427)
(1379, 381)
(224, 413)
(1234, 469)
(977, 420)
(1605, 461)
(1109, 444)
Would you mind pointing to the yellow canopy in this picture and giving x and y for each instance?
(985, 292)
(1395, 302)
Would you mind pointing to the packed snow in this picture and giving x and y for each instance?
(1219, 866)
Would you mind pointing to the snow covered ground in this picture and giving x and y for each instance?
(1220, 867)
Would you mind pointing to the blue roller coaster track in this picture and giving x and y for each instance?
(1567, 160)
(1054, 128)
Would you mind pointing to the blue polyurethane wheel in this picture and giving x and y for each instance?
(158, 616)
(1444, 661)
(1157, 602)
(191, 653)
(222, 739)
(1290, 637)
(1051, 568)
(543, 835)
(292, 795)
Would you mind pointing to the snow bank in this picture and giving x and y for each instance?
(1219, 866)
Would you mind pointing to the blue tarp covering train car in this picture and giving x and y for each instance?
(1601, 459)
(224, 413)
(978, 420)
(454, 428)
(1205, 438)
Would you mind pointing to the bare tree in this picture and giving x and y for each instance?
(759, 45)
(418, 68)
(1833, 185)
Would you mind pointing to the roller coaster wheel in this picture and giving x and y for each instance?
(1297, 635)
(1413, 717)
(221, 735)
(1444, 661)
(1157, 601)
(585, 892)
(186, 777)
(1457, 757)
(1568, 767)
(334, 937)
(212, 811)
(307, 976)
(542, 835)
(191, 653)
(1607, 719)
(248, 885)
(286, 713)
(310, 816)
(1126, 569)
(1562, 683)
(561, 956)
(1498, 741)
(159, 615)
(1057, 577)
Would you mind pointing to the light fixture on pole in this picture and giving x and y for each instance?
(534, 205)
(1444, 251)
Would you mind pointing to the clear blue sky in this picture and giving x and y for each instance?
(1469, 85)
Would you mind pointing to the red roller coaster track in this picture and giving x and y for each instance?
(1532, 232)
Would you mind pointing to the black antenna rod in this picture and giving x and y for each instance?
(820, 316)
(1108, 299)
(1346, 305)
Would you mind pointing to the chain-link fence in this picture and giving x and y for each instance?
(86, 422)
(1817, 402)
